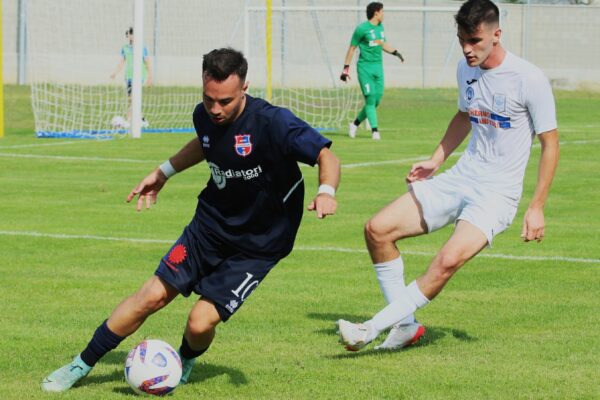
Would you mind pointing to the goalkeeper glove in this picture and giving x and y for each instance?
(345, 73)
(397, 54)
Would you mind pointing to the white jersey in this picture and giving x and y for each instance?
(507, 106)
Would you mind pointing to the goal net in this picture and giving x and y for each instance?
(73, 47)
(297, 56)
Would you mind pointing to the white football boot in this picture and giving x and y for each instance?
(352, 130)
(402, 336)
(63, 378)
(353, 336)
(376, 135)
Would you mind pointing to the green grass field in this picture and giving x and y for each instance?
(520, 321)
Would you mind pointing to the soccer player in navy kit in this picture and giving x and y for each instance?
(245, 222)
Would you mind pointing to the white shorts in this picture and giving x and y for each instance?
(449, 197)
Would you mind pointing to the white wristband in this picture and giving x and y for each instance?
(327, 189)
(167, 169)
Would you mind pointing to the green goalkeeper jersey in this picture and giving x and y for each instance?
(369, 38)
(127, 53)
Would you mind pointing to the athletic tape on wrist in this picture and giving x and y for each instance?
(167, 169)
(327, 189)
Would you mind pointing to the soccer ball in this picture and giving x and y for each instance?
(153, 367)
(118, 122)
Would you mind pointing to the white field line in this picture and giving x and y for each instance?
(301, 248)
(485, 255)
(386, 162)
(23, 146)
(76, 158)
(345, 166)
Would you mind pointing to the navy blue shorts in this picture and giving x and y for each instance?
(199, 262)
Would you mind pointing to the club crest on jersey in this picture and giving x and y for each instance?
(499, 102)
(470, 94)
(243, 146)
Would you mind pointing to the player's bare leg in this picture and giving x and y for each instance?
(199, 334)
(381, 235)
(126, 318)
(466, 242)
(131, 313)
(400, 219)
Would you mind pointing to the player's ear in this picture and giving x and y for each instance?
(497, 34)
(245, 87)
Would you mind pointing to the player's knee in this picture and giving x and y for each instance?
(375, 234)
(152, 302)
(446, 264)
(197, 325)
(150, 299)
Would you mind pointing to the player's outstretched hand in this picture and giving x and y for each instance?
(324, 205)
(533, 225)
(147, 190)
(345, 76)
(422, 170)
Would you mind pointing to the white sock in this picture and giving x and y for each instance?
(410, 301)
(390, 275)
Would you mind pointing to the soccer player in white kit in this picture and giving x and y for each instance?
(506, 102)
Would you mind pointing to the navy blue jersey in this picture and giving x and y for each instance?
(254, 198)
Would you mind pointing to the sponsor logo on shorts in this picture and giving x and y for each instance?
(233, 304)
(177, 255)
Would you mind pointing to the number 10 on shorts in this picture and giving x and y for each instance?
(246, 287)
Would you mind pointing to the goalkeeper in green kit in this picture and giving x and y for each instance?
(370, 38)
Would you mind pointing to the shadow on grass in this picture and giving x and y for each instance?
(205, 371)
(333, 317)
(201, 372)
(432, 335)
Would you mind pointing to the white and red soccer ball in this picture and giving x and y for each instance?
(153, 367)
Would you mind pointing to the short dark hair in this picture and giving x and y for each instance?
(219, 64)
(476, 12)
(372, 8)
(129, 31)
